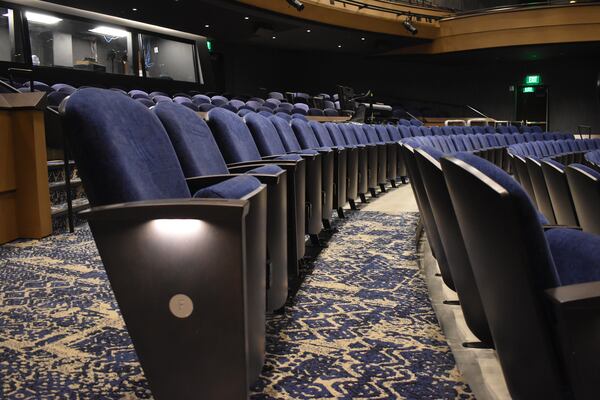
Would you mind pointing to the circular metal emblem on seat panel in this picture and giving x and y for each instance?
(181, 306)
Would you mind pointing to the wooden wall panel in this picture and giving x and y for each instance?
(541, 25)
(8, 217)
(7, 159)
(33, 197)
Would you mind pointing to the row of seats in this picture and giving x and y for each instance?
(526, 289)
(593, 159)
(200, 225)
(415, 131)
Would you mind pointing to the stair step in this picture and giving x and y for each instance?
(62, 209)
(61, 185)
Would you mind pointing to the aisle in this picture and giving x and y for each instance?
(362, 325)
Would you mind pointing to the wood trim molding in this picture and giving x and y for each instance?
(549, 25)
(351, 17)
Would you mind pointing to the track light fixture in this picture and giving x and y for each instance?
(409, 26)
(296, 4)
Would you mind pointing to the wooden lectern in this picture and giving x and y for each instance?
(24, 193)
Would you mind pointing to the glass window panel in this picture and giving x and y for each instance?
(168, 59)
(57, 41)
(10, 45)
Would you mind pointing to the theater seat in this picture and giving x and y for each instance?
(195, 317)
(444, 217)
(349, 139)
(382, 152)
(541, 295)
(199, 156)
(542, 196)
(427, 219)
(559, 192)
(307, 140)
(336, 138)
(340, 167)
(584, 183)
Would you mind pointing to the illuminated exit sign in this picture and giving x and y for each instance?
(533, 79)
(528, 89)
(209, 45)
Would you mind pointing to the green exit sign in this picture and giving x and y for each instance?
(209, 45)
(533, 79)
(528, 89)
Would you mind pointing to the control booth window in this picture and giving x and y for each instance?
(10, 44)
(168, 59)
(90, 46)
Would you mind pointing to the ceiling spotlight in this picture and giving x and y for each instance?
(207, 26)
(246, 18)
(409, 26)
(134, 9)
(296, 4)
(339, 46)
(308, 31)
(274, 37)
(363, 39)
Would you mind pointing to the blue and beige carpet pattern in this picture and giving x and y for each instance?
(361, 326)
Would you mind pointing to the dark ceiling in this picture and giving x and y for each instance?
(231, 22)
(227, 21)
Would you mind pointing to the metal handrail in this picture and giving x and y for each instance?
(516, 7)
(361, 5)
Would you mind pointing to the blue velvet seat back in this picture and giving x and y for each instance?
(404, 122)
(394, 132)
(321, 134)
(458, 130)
(447, 130)
(593, 157)
(304, 134)
(192, 139)
(232, 135)
(467, 130)
(122, 151)
(349, 135)
(437, 131)
(489, 129)
(425, 131)
(286, 134)
(336, 135)
(265, 135)
(371, 134)
(404, 131)
(538, 257)
(361, 137)
(415, 131)
(459, 143)
(382, 133)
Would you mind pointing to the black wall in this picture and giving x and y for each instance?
(479, 80)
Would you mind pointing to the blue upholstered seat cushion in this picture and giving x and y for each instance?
(529, 219)
(322, 134)
(234, 188)
(233, 136)
(305, 134)
(192, 139)
(266, 169)
(122, 151)
(576, 255)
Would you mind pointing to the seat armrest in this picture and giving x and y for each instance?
(551, 226)
(576, 319)
(208, 209)
(264, 178)
(582, 295)
(258, 163)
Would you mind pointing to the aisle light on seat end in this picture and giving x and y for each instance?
(296, 4)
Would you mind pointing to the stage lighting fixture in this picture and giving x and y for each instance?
(409, 26)
(296, 4)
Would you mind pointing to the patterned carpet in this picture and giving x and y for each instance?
(361, 326)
